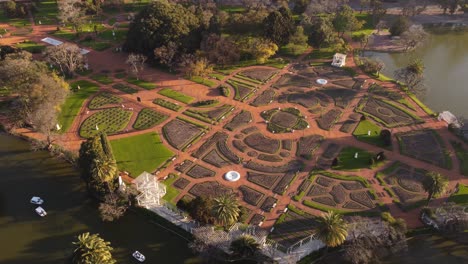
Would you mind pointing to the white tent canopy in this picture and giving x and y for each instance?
(339, 60)
(55, 42)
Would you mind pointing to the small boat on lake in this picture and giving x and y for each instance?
(40, 211)
(138, 256)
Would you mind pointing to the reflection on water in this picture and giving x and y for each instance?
(27, 238)
(446, 59)
(431, 249)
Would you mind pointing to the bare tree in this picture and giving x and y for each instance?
(71, 11)
(67, 57)
(413, 37)
(136, 62)
(166, 54)
(111, 209)
(412, 75)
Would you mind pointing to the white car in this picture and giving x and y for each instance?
(37, 200)
(140, 257)
(40, 211)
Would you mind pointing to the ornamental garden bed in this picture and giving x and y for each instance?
(348, 83)
(198, 172)
(184, 166)
(284, 120)
(166, 104)
(304, 69)
(210, 189)
(148, 118)
(425, 145)
(141, 83)
(251, 196)
(309, 100)
(240, 120)
(285, 182)
(404, 184)
(292, 166)
(266, 181)
(227, 152)
(259, 74)
(331, 151)
(390, 94)
(328, 120)
(348, 126)
(181, 183)
(307, 145)
(212, 115)
(347, 161)
(180, 133)
(215, 159)
(339, 192)
(256, 219)
(242, 90)
(178, 96)
(387, 113)
(110, 121)
(292, 80)
(205, 147)
(265, 98)
(269, 158)
(262, 143)
(342, 97)
(268, 204)
(124, 88)
(102, 78)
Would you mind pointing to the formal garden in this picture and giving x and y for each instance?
(235, 100)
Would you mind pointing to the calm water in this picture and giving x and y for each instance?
(27, 238)
(446, 59)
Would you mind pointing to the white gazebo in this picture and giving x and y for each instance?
(151, 191)
(339, 60)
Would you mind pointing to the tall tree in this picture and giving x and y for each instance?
(279, 26)
(226, 209)
(244, 246)
(166, 54)
(162, 22)
(413, 37)
(220, 50)
(261, 49)
(321, 32)
(345, 20)
(435, 184)
(67, 57)
(400, 25)
(71, 12)
(331, 229)
(92, 249)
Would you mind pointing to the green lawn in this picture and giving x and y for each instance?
(461, 196)
(140, 153)
(368, 26)
(291, 50)
(96, 45)
(462, 155)
(68, 35)
(346, 160)
(102, 78)
(361, 133)
(47, 13)
(203, 81)
(31, 46)
(176, 95)
(141, 83)
(120, 35)
(171, 191)
(75, 100)
(323, 53)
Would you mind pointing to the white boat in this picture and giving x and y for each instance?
(138, 256)
(37, 200)
(40, 211)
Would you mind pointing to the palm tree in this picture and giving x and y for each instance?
(92, 249)
(331, 229)
(435, 184)
(244, 246)
(226, 209)
(104, 170)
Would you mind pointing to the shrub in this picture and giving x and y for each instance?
(386, 137)
(400, 25)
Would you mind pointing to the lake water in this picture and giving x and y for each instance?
(446, 59)
(27, 238)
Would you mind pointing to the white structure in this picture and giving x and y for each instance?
(321, 81)
(449, 118)
(339, 60)
(55, 42)
(37, 200)
(151, 191)
(232, 176)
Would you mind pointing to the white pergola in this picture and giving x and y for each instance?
(151, 191)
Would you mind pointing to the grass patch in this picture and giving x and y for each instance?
(361, 133)
(292, 50)
(325, 208)
(141, 83)
(232, 9)
(346, 160)
(74, 101)
(424, 107)
(320, 54)
(203, 81)
(124, 88)
(95, 45)
(167, 104)
(102, 78)
(47, 13)
(176, 95)
(461, 196)
(462, 155)
(68, 35)
(278, 63)
(31, 46)
(140, 153)
(107, 35)
(367, 27)
(218, 76)
(171, 192)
